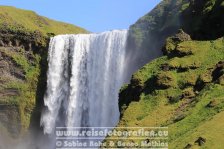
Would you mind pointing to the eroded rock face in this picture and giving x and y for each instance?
(197, 17)
(10, 73)
(171, 47)
(181, 36)
(8, 66)
(16, 43)
(19, 71)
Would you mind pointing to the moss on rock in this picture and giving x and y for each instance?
(188, 93)
(172, 48)
(166, 80)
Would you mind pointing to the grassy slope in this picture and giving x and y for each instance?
(17, 19)
(22, 25)
(187, 117)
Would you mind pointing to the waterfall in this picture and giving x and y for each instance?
(84, 76)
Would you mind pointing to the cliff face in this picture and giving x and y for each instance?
(149, 33)
(183, 89)
(203, 19)
(23, 65)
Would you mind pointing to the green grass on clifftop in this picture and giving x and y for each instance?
(15, 20)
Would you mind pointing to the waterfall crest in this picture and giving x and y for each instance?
(84, 77)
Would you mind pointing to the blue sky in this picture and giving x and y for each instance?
(93, 15)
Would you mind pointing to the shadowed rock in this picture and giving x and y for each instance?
(200, 141)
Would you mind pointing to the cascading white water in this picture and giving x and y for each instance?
(84, 77)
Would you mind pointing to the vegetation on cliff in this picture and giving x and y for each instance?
(201, 19)
(24, 38)
(181, 91)
(19, 20)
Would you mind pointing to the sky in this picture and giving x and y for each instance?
(93, 15)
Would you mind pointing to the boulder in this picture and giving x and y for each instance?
(170, 47)
(181, 36)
